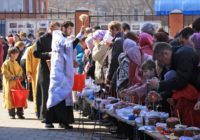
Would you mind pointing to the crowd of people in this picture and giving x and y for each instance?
(137, 67)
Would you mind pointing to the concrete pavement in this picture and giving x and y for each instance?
(33, 129)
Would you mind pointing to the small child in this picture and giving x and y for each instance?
(12, 72)
(140, 90)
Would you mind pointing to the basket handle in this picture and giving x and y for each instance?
(19, 86)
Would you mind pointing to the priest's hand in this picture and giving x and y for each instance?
(81, 34)
(197, 106)
(82, 29)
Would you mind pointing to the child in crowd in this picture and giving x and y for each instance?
(20, 46)
(140, 90)
(12, 72)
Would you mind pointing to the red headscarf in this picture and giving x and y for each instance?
(146, 42)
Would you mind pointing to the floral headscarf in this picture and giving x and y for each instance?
(98, 35)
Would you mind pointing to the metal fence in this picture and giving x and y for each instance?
(134, 20)
(102, 20)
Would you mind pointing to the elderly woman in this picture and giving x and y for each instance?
(133, 58)
(99, 55)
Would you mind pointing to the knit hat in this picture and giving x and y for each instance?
(148, 28)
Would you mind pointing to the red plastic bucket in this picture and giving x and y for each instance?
(79, 82)
(19, 96)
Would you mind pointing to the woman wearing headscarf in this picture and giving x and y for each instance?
(136, 57)
(148, 28)
(196, 44)
(99, 54)
(195, 40)
(145, 43)
(131, 61)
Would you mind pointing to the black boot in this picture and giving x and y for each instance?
(21, 117)
(49, 125)
(43, 121)
(65, 126)
(12, 117)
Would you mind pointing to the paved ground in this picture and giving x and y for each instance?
(33, 129)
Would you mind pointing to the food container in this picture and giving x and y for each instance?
(171, 122)
(191, 131)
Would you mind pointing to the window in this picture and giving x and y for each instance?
(38, 6)
(43, 7)
(30, 6)
(136, 17)
(12, 5)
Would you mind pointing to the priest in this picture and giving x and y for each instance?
(59, 103)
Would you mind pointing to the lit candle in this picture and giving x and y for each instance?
(133, 100)
(153, 100)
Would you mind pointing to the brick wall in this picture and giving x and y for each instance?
(176, 23)
(78, 23)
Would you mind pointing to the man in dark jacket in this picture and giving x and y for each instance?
(183, 84)
(183, 60)
(116, 48)
(113, 54)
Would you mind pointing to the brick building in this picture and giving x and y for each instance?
(21, 10)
